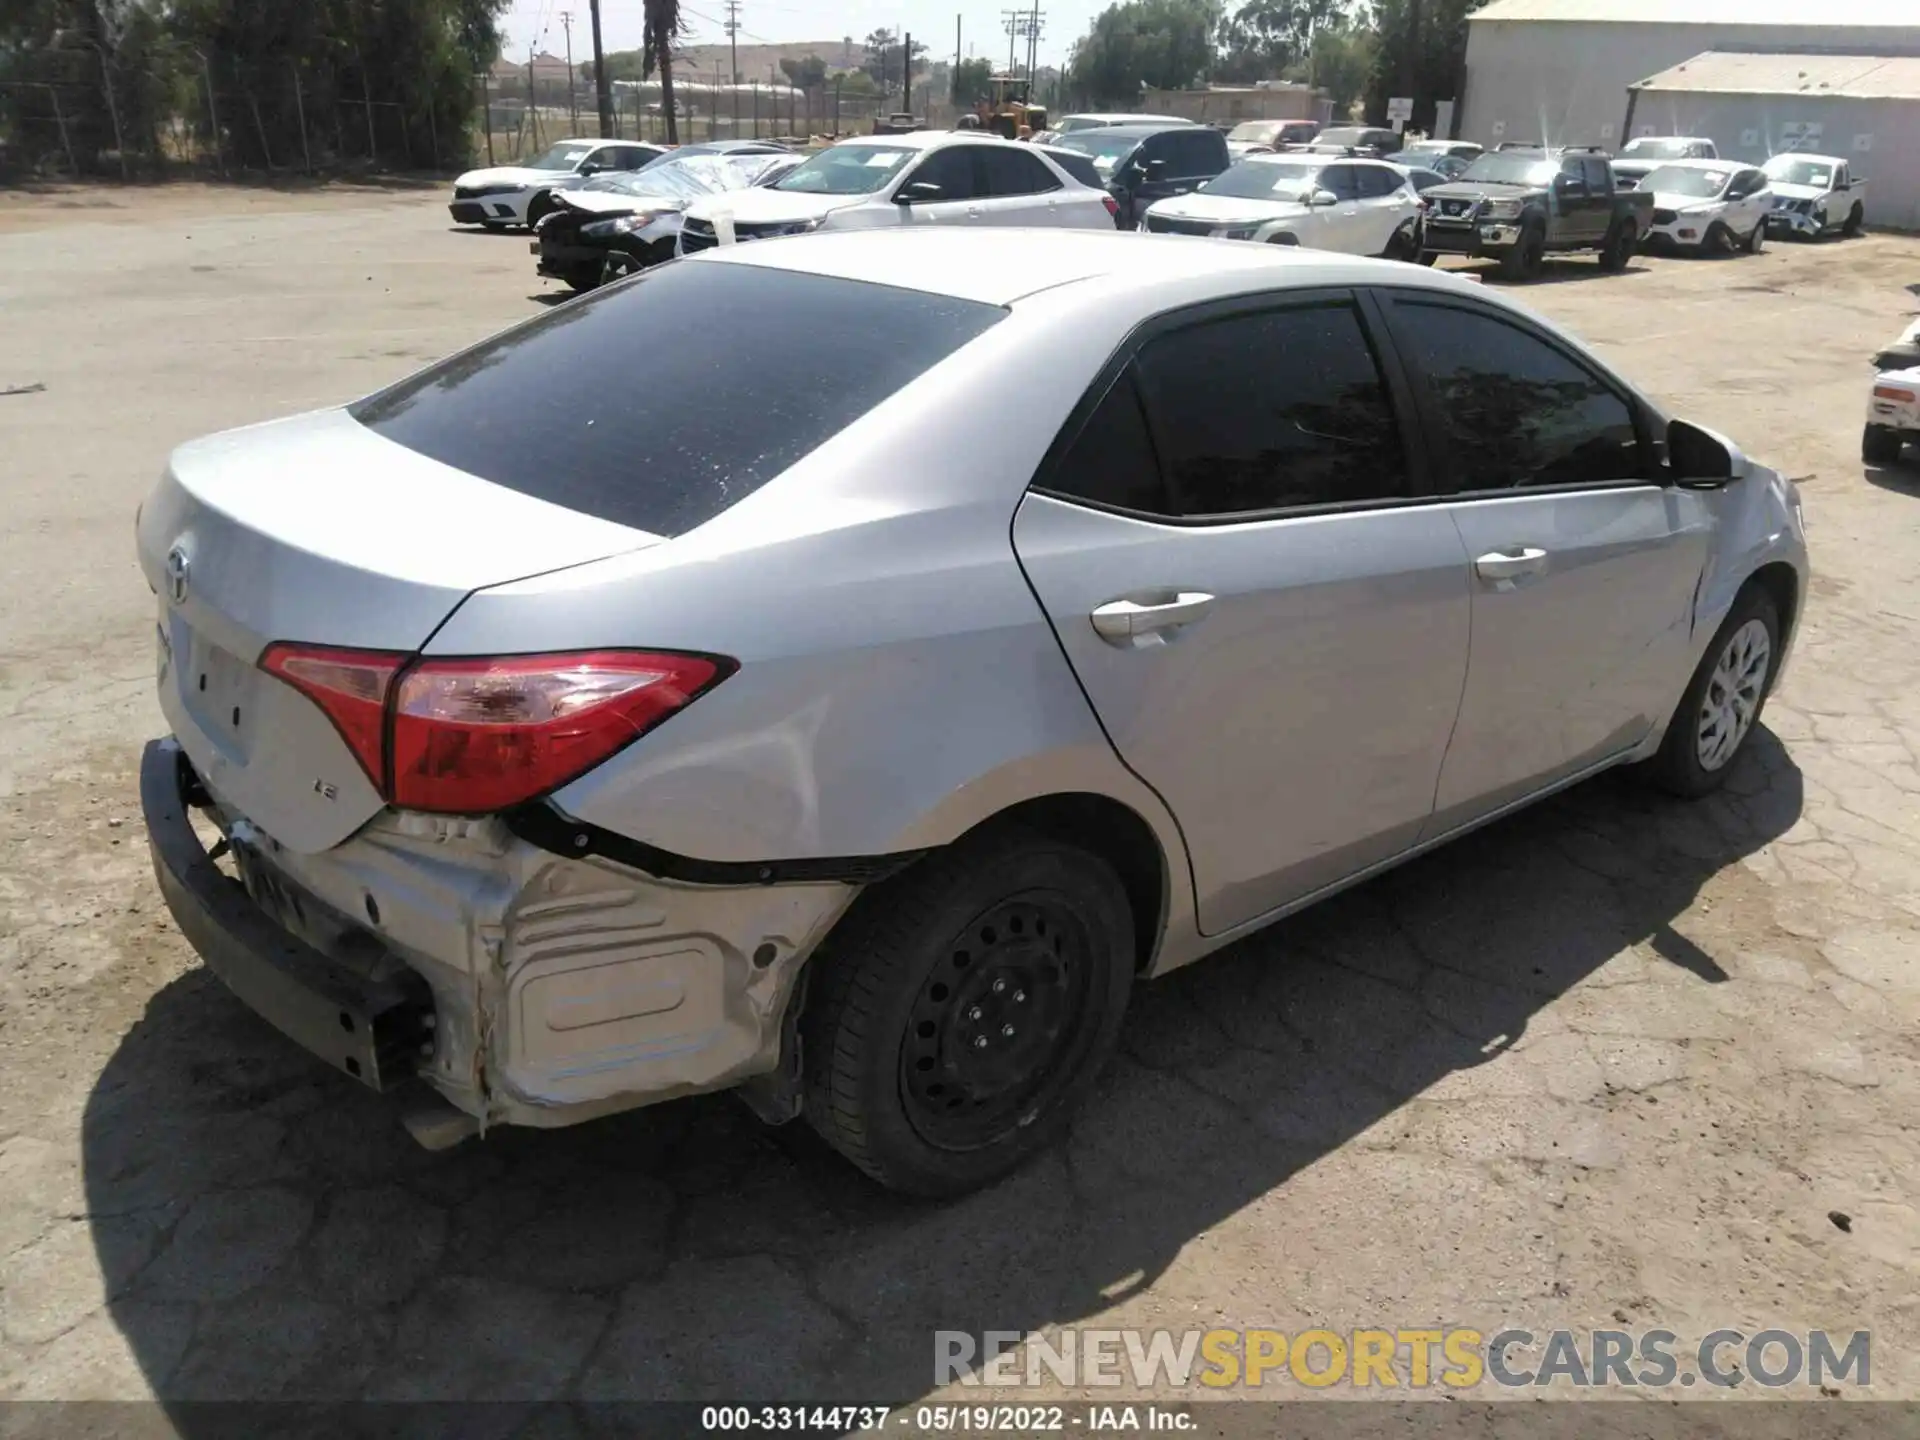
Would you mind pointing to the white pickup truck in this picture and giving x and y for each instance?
(1813, 194)
(1893, 416)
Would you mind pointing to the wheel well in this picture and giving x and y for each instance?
(1783, 588)
(1105, 827)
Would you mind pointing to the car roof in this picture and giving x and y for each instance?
(1708, 165)
(1134, 117)
(1804, 155)
(930, 140)
(1140, 129)
(1002, 266)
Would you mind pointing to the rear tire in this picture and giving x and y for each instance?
(1522, 262)
(1722, 704)
(1618, 249)
(1855, 218)
(917, 1067)
(1404, 246)
(1880, 445)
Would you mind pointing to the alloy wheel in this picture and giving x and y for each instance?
(1733, 695)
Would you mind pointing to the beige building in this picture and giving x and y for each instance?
(1559, 70)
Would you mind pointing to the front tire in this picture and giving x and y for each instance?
(539, 208)
(1718, 241)
(1880, 445)
(1618, 249)
(963, 1010)
(1522, 262)
(1723, 701)
(1758, 239)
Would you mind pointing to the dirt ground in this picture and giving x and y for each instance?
(1613, 1063)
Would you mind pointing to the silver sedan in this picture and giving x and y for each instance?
(839, 669)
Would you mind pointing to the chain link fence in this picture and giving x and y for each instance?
(71, 114)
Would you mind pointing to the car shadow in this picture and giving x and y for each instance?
(1555, 270)
(265, 1230)
(1902, 477)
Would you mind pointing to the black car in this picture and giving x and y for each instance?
(1139, 164)
(616, 224)
(1519, 205)
(1357, 139)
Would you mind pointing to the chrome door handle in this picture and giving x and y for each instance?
(1145, 622)
(1510, 564)
(973, 212)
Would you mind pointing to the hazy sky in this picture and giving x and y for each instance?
(771, 21)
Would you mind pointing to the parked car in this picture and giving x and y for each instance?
(1144, 163)
(1814, 194)
(1347, 139)
(506, 195)
(1518, 206)
(1419, 177)
(1893, 416)
(1644, 154)
(1363, 207)
(616, 224)
(1446, 157)
(1076, 163)
(932, 177)
(1903, 353)
(1712, 206)
(1251, 135)
(1105, 120)
(825, 744)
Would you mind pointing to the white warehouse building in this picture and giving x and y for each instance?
(1560, 70)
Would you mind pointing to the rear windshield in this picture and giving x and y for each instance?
(660, 402)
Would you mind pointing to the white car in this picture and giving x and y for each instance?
(1256, 137)
(931, 177)
(1813, 194)
(506, 195)
(1105, 119)
(1893, 416)
(1361, 207)
(1644, 154)
(1708, 206)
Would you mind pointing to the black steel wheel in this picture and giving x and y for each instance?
(962, 1011)
(1880, 445)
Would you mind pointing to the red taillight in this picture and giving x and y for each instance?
(472, 736)
(1889, 392)
(476, 735)
(349, 685)
(1113, 206)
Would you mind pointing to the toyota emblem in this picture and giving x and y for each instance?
(178, 569)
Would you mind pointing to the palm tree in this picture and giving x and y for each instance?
(663, 27)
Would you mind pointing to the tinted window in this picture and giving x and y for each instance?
(584, 407)
(1080, 167)
(951, 169)
(1111, 461)
(1598, 181)
(1517, 410)
(1341, 180)
(1284, 408)
(1376, 182)
(1197, 152)
(1576, 179)
(1013, 172)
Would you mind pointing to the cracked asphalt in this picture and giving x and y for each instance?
(1613, 1062)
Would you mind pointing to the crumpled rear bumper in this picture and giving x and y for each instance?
(1792, 222)
(527, 987)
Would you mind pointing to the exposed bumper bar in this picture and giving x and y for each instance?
(370, 1029)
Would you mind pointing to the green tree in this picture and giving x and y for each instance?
(972, 81)
(661, 25)
(882, 58)
(807, 74)
(1262, 38)
(1167, 44)
(1422, 52)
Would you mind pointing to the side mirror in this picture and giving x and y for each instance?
(1700, 459)
(1156, 167)
(918, 193)
(1323, 197)
(592, 167)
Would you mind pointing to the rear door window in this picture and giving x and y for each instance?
(661, 402)
(1013, 172)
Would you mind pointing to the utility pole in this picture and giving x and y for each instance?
(573, 103)
(602, 84)
(1036, 18)
(1011, 20)
(955, 97)
(732, 27)
(906, 73)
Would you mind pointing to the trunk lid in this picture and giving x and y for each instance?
(316, 530)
